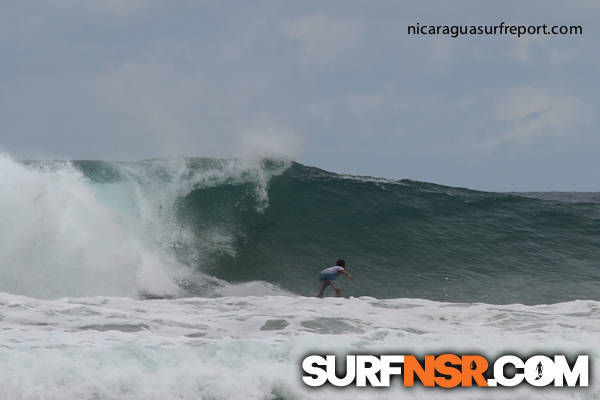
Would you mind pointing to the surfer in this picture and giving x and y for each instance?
(329, 277)
(539, 369)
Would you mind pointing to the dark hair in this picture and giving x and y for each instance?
(341, 263)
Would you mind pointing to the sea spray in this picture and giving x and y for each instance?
(58, 238)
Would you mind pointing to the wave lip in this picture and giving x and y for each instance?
(102, 228)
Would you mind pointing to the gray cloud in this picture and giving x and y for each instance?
(336, 84)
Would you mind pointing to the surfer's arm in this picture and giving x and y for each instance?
(347, 274)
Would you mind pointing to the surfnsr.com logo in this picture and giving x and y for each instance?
(446, 371)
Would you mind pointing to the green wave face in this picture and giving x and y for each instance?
(283, 222)
(403, 239)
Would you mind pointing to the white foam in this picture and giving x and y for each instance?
(57, 238)
(253, 288)
(63, 235)
(251, 347)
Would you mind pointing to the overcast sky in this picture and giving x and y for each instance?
(335, 84)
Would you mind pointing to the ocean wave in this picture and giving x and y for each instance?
(188, 227)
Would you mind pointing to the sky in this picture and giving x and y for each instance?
(334, 84)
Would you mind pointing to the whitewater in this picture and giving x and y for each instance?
(251, 347)
(189, 278)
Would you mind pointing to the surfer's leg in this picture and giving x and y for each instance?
(338, 289)
(322, 287)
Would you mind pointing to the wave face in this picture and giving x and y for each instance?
(209, 227)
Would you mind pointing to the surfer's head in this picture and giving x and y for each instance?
(341, 263)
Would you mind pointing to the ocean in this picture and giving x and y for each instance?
(190, 278)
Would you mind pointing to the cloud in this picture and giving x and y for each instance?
(524, 48)
(268, 142)
(361, 105)
(142, 97)
(130, 79)
(323, 39)
(546, 49)
(165, 107)
(118, 8)
(529, 113)
(442, 51)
